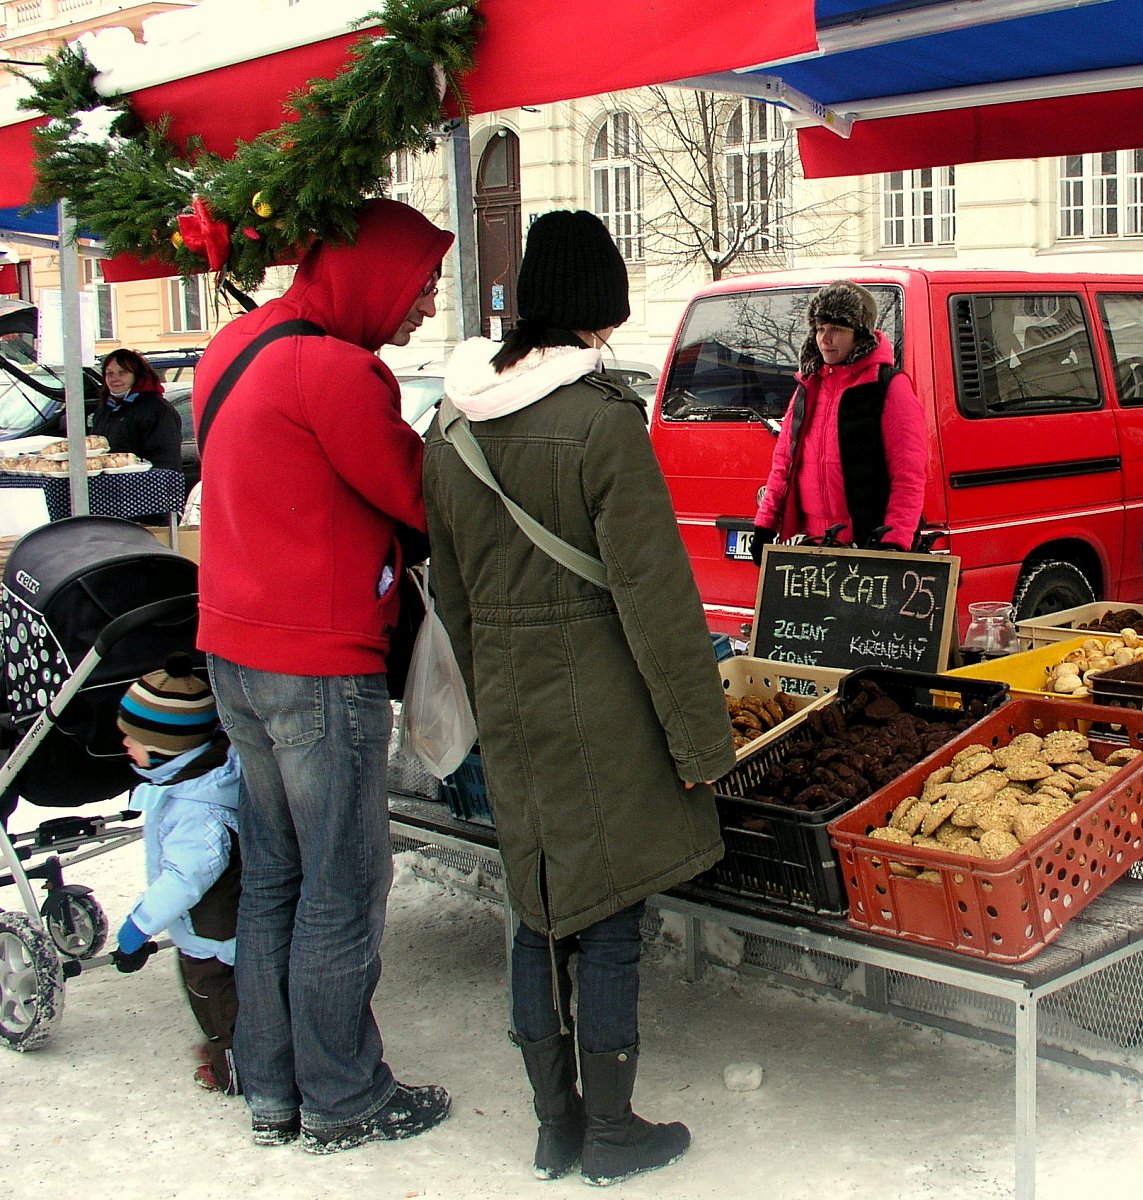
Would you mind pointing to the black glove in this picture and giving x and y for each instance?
(762, 537)
(128, 964)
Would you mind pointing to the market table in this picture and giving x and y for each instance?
(128, 495)
(1108, 932)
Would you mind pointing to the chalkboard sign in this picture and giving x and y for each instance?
(855, 608)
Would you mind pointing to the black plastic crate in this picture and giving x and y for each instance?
(465, 792)
(928, 695)
(784, 855)
(1121, 686)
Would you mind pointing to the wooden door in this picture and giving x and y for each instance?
(498, 240)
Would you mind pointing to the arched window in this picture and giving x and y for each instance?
(617, 183)
(757, 171)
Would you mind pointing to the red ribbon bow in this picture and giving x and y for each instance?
(204, 234)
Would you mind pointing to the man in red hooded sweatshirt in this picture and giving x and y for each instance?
(307, 475)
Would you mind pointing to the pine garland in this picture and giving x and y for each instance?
(127, 183)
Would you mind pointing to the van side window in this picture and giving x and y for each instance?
(737, 352)
(1021, 354)
(1122, 315)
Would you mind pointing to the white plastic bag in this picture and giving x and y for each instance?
(436, 719)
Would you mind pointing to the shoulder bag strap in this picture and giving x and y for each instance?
(296, 328)
(456, 432)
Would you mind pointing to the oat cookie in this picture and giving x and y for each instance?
(1122, 756)
(969, 751)
(1030, 820)
(930, 876)
(937, 777)
(889, 834)
(997, 844)
(905, 870)
(939, 813)
(997, 814)
(900, 811)
(1027, 768)
(1060, 739)
(1026, 743)
(972, 764)
(915, 817)
(964, 815)
(946, 835)
(1021, 795)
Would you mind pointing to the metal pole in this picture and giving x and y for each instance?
(463, 221)
(73, 363)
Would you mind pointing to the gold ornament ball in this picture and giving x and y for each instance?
(260, 206)
(177, 240)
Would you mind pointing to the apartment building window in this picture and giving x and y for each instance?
(1101, 195)
(757, 168)
(617, 183)
(401, 176)
(186, 304)
(104, 299)
(918, 208)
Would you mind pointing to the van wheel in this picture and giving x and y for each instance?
(1049, 587)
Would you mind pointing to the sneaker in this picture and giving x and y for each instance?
(409, 1111)
(276, 1133)
(205, 1078)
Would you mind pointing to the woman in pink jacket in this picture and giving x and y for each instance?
(853, 448)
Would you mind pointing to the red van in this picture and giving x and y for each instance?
(1032, 386)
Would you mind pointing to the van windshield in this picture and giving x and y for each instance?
(737, 353)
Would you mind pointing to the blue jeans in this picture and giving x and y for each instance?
(313, 820)
(607, 976)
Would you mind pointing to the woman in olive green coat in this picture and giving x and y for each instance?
(600, 712)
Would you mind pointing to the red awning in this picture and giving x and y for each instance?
(532, 52)
(1041, 128)
(9, 281)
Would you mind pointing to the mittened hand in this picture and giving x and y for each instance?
(128, 964)
(762, 537)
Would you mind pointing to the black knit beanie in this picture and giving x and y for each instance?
(842, 302)
(572, 276)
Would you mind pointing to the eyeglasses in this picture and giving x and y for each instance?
(431, 288)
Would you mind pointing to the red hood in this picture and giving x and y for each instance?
(361, 293)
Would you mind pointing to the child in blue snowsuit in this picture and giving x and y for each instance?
(189, 800)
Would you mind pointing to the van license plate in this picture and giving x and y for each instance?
(738, 543)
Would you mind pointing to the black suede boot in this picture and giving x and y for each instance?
(551, 1071)
(618, 1143)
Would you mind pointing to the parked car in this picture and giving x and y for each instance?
(1032, 386)
(32, 395)
(422, 389)
(174, 366)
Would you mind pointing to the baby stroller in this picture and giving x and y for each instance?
(88, 605)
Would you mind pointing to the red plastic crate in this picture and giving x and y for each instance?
(1010, 908)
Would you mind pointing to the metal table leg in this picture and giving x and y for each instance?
(1026, 1097)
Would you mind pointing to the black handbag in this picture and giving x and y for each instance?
(414, 549)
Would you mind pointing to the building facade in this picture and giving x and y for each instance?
(692, 186)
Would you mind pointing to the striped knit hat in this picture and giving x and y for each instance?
(169, 711)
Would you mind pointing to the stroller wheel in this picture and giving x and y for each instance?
(76, 922)
(31, 983)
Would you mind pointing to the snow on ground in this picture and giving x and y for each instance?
(853, 1105)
